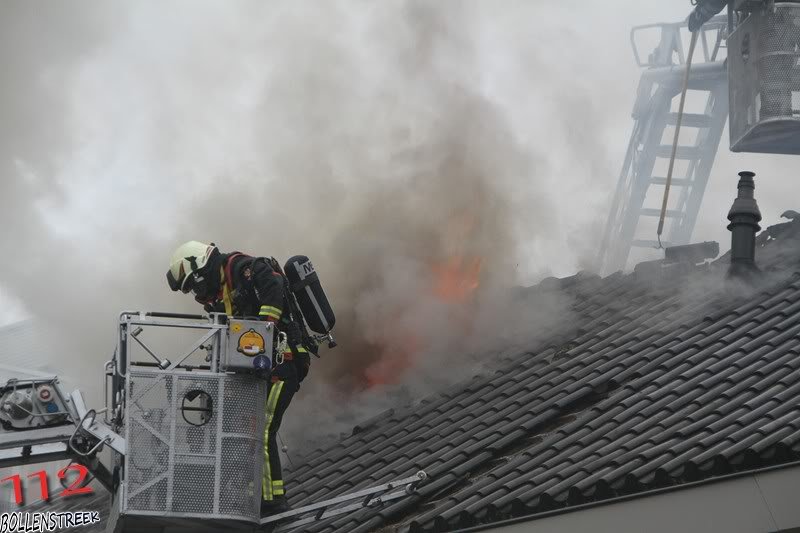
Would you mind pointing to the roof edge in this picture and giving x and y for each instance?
(628, 497)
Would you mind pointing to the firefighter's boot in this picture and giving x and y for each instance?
(277, 505)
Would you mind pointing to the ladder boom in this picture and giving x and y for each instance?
(635, 198)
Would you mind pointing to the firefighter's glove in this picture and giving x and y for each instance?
(208, 307)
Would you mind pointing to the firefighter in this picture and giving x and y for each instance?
(243, 286)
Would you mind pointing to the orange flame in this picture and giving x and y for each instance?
(457, 278)
(454, 281)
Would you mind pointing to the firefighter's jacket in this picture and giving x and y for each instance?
(250, 288)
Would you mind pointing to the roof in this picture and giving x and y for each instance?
(670, 375)
(667, 375)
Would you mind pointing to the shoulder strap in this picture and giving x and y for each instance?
(227, 283)
(228, 267)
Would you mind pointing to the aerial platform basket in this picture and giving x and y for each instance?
(195, 445)
(195, 432)
(764, 80)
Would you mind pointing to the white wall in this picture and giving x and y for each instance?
(765, 502)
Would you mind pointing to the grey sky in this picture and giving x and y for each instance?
(136, 126)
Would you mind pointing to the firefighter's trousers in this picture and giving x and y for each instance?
(282, 387)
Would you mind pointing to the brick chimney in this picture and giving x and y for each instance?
(744, 216)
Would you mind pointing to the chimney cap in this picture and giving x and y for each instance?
(745, 209)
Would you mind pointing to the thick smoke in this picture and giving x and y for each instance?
(375, 138)
(40, 48)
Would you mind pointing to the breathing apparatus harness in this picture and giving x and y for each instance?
(292, 318)
(295, 315)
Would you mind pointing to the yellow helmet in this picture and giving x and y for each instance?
(187, 263)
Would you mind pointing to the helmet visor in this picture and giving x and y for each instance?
(185, 284)
(174, 284)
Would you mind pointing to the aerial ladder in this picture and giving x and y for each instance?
(181, 436)
(641, 182)
(748, 70)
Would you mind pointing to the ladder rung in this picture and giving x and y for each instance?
(644, 243)
(657, 213)
(676, 182)
(691, 120)
(356, 500)
(683, 152)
